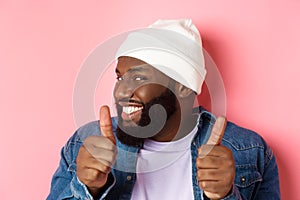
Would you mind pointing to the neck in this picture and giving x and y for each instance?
(177, 127)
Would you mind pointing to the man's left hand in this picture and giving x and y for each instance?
(215, 164)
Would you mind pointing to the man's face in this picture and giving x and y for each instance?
(140, 86)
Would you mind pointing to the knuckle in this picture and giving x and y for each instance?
(203, 185)
(199, 150)
(228, 152)
(84, 176)
(91, 139)
(107, 143)
(199, 175)
(92, 175)
(105, 169)
(229, 163)
(198, 162)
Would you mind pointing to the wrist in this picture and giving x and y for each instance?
(95, 192)
(224, 197)
(230, 192)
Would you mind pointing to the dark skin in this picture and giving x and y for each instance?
(147, 83)
(136, 80)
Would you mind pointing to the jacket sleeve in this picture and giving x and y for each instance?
(269, 187)
(235, 195)
(65, 184)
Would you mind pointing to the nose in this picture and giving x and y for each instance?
(123, 89)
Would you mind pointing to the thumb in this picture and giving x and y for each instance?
(106, 124)
(217, 132)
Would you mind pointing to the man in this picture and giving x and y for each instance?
(159, 146)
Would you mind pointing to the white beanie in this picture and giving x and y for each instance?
(173, 47)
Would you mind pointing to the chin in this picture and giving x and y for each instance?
(135, 129)
(128, 139)
(129, 124)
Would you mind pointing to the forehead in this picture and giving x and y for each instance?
(127, 64)
(125, 60)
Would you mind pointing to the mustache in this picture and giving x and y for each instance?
(128, 100)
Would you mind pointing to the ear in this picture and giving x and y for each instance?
(182, 91)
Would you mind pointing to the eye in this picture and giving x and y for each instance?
(140, 78)
(119, 78)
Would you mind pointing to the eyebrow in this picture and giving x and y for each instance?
(135, 69)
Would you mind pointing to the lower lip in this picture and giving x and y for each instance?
(132, 116)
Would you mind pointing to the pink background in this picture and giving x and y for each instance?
(254, 43)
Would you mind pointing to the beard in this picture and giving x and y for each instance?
(154, 115)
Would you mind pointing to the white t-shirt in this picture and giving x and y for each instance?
(164, 170)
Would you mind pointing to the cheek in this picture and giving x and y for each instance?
(147, 92)
(115, 90)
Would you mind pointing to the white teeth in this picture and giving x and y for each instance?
(131, 109)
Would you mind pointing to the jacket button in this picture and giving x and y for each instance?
(128, 178)
(243, 179)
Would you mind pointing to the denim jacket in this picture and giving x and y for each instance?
(256, 168)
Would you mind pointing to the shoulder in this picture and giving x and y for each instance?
(246, 145)
(235, 136)
(242, 138)
(252, 156)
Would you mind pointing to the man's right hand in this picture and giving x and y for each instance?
(97, 155)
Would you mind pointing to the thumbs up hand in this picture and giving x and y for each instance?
(97, 155)
(106, 124)
(215, 164)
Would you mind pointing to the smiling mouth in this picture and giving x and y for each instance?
(131, 113)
